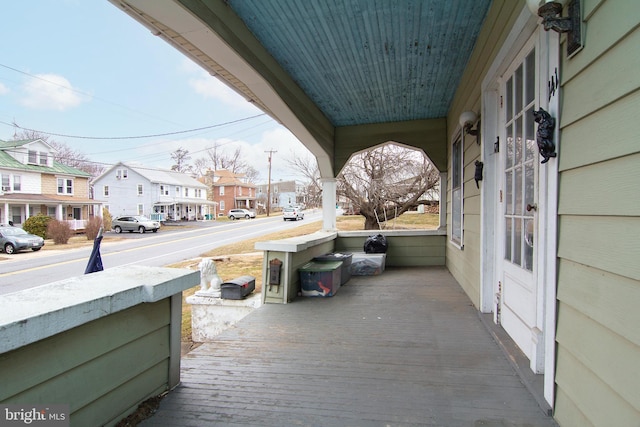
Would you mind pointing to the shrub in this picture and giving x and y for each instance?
(92, 227)
(37, 225)
(59, 231)
(106, 219)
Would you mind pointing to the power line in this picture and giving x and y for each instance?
(136, 136)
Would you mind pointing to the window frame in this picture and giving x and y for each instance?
(67, 186)
(457, 190)
(17, 182)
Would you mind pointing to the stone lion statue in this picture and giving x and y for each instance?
(210, 281)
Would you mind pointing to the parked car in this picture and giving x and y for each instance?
(132, 223)
(14, 239)
(293, 213)
(241, 213)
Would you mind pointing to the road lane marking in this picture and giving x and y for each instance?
(116, 252)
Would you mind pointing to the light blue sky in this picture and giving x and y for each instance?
(84, 68)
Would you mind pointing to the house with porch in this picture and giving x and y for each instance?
(34, 183)
(283, 194)
(536, 98)
(528, 110)
(230, 190)
(161, 194)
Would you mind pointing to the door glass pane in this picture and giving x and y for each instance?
(517, 240)
(529, 178)
(509, 96)
(509, 193)
(518, 141)
(509, 146)
(530, 82)
(507, 240)
(518, 88)
(528, 244)
(529, 139)
(517, 191)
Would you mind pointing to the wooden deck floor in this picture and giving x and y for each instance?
(405, 348)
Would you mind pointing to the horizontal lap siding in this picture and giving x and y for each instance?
(599, 223)
(403, 251)
(98, 368)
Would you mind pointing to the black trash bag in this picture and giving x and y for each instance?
(375, 244)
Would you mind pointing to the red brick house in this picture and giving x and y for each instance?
(230, 190)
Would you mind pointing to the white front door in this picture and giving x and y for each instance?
(518, 198)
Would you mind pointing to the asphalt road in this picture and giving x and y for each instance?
(170, 245)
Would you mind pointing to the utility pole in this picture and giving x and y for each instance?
(270, 152)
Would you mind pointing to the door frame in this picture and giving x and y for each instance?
(525, 26)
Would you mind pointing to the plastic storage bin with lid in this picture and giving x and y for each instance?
(320, 279)
(345, 257)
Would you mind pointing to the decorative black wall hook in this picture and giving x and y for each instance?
(544, 135)
(477, 176)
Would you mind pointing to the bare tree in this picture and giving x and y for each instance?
(233, 162)
(307, 166)
(385, 182)
(63, 153)
(181, 158)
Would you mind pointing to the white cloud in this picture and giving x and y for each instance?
(50, 92)
(278, 139)
(3, 89)
(210, 87)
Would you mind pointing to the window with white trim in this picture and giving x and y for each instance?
(222, 190)
(65, 186)
(122, 174)
(140, 209)
(105, 191)
(140, 190)
(43, 158)
(6, 186)
(17, 183)
(457, 183)
(33, 157)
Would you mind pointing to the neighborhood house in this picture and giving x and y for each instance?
(160, 194)
(34, 183)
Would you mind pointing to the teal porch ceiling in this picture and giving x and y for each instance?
(369, 61)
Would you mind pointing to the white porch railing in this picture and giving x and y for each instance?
(77, 224)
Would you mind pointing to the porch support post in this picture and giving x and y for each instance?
(6, 213)
(26, 211)
(328, 204)
(442, 203)
(59, 212)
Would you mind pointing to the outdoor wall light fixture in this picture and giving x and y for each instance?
(467, 119)
(552, 19)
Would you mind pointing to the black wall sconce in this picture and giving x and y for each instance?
(467, 120)
(552, 19)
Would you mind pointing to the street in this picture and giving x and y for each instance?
(30, 269)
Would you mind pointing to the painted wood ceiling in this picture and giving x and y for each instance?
(369, 61)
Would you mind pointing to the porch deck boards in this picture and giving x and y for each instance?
(404, 348)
